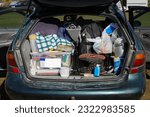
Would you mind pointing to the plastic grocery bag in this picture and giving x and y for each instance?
(104, 46)
(109, 30)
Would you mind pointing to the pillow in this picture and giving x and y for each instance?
(45, 28)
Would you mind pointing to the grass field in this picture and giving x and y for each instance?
(11, 20)
(14, 20)
(145, 19)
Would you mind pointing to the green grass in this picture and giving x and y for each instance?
(145, 19)
(14, 20)
(11, 20)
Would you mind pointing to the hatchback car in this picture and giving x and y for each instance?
(75, 50)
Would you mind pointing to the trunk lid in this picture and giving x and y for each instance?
(74, 3)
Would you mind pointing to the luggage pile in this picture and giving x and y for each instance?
(85, 50)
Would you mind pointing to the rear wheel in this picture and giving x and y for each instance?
(148, 73)
(148, 70)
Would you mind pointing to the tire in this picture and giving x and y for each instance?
(3, 73)
(148, 70)
(3, 94)
(148, 73)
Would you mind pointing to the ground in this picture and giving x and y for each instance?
(146, 95)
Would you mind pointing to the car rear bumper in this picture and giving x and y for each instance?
(79, 95)
(134, 88)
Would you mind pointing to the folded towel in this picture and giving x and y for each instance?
(50, 42)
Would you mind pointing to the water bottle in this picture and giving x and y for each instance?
(97, 70)
(118, 47)
(116, 64)
(33, 45)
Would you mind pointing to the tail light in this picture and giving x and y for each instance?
(12, 63)
(138, 62)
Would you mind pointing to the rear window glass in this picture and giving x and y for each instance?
(93, 17)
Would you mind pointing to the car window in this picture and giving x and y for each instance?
(11, 20)
(61, 18)
(144, 19)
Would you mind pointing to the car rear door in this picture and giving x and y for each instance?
(139, 19)
(11, 18)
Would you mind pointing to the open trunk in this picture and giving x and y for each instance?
(75, 47)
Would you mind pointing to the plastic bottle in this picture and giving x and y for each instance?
(33, 45)
(116, 64)
(42, 62)
(97, 70)
(33, 67)
(118, 47)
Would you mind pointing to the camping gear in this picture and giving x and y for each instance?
(48, 54)
(45, 28)
(63, 33)
(65, 57)
(89, 34)
(33, 45)
(65, 48)
(118, 47)
(85, 46)
(42, 62)
(33, 67)
(88, 75)
(115, 35)
(116, 64)
(50, 62)
(74, 32)
(47, 72)
(97, 70)
(94, 40)
(103, 47)
(93, 58)
(107, 32)
(66, 60)
(64, 72)
(92, 30)
(50, 42)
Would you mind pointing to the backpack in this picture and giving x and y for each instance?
(91, 31)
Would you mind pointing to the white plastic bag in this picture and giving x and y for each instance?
(104, 46)
(114, 35)
(109, 30)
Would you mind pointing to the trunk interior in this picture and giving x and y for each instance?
(75, 47)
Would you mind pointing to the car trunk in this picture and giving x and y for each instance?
(85, 51)
(76, 45)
